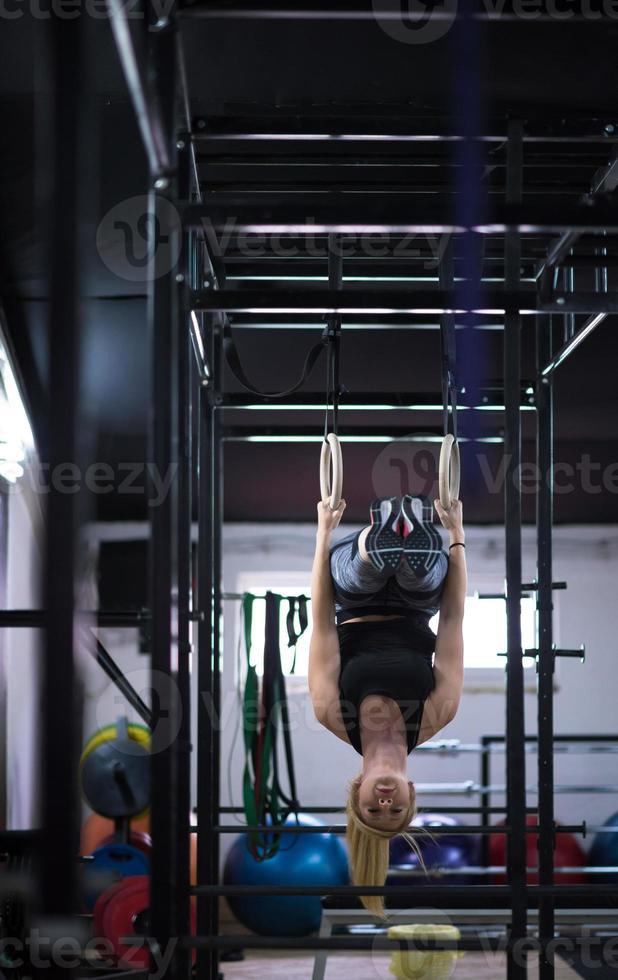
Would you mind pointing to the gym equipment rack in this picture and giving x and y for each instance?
(530, 237)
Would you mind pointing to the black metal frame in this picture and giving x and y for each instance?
(187, 379)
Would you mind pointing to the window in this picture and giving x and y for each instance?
(484, 630)
(16, 439)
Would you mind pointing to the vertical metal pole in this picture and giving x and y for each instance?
(185, 510)
(485, 776)
(515, 727)
(546, 661)
(164, 434)
(216, 462)
(207, 960)
(61, 694)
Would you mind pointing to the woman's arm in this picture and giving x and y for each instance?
(441, 707)
(324, 655)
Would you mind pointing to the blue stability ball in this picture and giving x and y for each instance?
(441, 851)
(317, 860)
(604, 851)
(110, 863)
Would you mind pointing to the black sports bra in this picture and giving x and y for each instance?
(388, 657)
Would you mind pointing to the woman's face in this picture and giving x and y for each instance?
(383, 801)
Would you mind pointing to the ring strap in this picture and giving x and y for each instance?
(231, 354)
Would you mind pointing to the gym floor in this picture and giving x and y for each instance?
(472, 966)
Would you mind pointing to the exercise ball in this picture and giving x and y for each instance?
(567, 854)
(442, 851)
(314, 860)
(604, 851)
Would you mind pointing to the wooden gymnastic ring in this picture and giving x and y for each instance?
(449, 471)
(331, 456)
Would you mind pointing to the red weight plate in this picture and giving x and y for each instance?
(120, 921)
(101, 904)
(116, 913)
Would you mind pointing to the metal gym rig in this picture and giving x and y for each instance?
(187, 309)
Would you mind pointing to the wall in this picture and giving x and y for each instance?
(586, 694)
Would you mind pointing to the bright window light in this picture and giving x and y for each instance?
(16, 439)
(484, 631)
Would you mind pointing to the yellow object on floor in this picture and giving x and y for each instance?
(430, 965)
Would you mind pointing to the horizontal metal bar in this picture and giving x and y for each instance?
(17, 841)
(377, 214)
(361, 322)
(345, 943)
(36, 618)
(578, 738)
(571, 345)
(363, 301)
(589, 262)
(489, 400)
(579, 654)
(340, 829)
(386, 120)
(365, 434)
(441, 893)
(363, 10)
(534, 586)
(406, 175)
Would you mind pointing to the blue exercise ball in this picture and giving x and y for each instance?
(604, 851)
(438, 851)
(314, 860)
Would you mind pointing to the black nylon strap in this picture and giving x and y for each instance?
(233, 360)
(303, 620)
(274, 686)
(447, 345)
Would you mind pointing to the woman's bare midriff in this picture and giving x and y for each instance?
(371, 619)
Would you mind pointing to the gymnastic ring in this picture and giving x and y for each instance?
(449, 471)
(331, 456)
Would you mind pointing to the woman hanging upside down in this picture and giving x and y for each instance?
(379, 678)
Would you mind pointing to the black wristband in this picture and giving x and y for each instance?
(456, 544)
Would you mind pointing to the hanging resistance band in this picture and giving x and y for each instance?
(297, 604)
(265, 714)
(449, 454)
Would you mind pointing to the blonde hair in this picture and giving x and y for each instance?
(368, 848)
